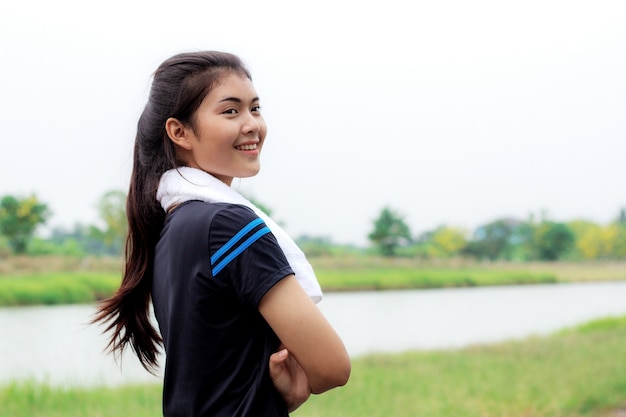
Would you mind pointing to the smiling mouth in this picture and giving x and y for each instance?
(250, 147)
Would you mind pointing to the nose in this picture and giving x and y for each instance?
(252, 124)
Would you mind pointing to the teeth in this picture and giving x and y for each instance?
(247, 147)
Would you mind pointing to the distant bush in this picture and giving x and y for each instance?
(69, 247)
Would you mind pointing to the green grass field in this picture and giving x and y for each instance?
(382, 278)
(58, 280)
(57, 288)
(575, 373)
(87, 286)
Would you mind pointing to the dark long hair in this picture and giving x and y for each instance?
(178, 88)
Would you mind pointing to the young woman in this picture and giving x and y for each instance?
(241, 335)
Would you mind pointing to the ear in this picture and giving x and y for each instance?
(178, 133)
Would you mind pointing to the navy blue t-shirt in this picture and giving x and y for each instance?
(213, 264)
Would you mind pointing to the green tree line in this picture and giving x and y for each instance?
(20, 217)
(502, 239)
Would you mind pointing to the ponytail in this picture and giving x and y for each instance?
(179, 86)
(128, 310)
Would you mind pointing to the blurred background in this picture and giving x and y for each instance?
(451, 112)
(465, 157)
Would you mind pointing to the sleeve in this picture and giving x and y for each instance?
(244, 252)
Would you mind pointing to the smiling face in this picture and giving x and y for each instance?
(227, 131)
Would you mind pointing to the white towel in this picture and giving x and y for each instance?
(185, 184)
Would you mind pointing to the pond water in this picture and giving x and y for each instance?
(56, 344)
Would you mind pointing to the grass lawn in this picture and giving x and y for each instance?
(58, 280)
(57, 287)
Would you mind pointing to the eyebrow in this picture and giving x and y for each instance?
(236, 99)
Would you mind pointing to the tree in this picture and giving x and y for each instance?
(112, 210)
(552, 240)
(619, 250)
(621, 219)
(587, 239)
(314, 246)
(448, 241)
(390, 231)
(19, 217)
(78, 241)
(494, 240)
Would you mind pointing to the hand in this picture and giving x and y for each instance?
(289, 378)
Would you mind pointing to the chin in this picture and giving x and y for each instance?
(255, 170)
(250, 173)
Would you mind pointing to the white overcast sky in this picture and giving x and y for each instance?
(450, 112)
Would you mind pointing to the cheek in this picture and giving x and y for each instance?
(263, 130)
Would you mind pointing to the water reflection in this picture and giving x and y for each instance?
(56, 344)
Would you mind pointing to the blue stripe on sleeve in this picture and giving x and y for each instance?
(240, 249)
(235, 239)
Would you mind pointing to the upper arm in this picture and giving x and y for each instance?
(244, 255)
(306, 333)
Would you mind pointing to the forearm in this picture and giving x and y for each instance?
(289, 379)
(295, 401)
(312, 341)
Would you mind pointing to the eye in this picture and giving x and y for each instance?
(256, 109)
(230, 111)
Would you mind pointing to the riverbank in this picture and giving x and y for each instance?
(579, 372)
(59, 280)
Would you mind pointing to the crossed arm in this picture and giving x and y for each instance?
(289, 379)
(313, 358)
